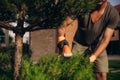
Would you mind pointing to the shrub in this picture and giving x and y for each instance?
(50, 67)
(5, 67)
(56, 67)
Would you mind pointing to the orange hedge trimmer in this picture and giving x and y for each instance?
(64, 46)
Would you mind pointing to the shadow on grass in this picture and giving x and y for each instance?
(6, 75)
(114, 73)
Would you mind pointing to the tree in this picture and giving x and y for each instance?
(40, 14)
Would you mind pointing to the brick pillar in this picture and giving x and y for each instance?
(42, 42)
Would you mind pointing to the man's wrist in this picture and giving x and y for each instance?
(92, 58)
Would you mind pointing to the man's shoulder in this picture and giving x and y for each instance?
(112, 9)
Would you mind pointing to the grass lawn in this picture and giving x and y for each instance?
(114, 70)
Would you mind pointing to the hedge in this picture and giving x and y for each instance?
(50, 67)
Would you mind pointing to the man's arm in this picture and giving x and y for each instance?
(63, 44)
(102, 44)
(66, 23)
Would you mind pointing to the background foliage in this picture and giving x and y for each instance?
(45, 13)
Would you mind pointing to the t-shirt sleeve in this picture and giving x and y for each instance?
(113, 19)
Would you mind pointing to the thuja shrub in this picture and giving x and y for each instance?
(50, 67)
(56, 67)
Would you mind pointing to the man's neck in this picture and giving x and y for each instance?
(97, 14)
(103, 6)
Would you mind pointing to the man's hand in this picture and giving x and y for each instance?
(92, 58)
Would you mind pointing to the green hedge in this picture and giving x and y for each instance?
(56, 67)
(51, 67)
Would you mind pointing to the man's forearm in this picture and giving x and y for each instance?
(102, 44)
(101, 47)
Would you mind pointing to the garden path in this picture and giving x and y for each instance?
(114, 57)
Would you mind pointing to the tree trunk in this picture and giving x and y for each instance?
(7, 38)
(18, 55)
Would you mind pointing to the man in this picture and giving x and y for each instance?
(93, 35)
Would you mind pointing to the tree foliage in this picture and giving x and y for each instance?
(45, 13)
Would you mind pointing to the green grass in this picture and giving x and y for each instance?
(113, 76)
(113, 66)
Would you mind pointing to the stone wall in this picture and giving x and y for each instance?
(42, 42)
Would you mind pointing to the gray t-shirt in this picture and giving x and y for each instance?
(88, 33)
